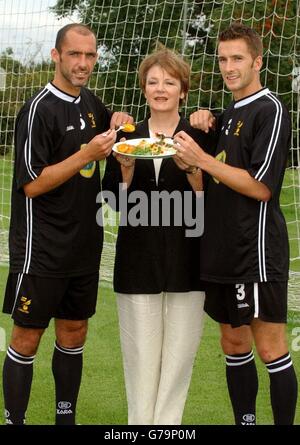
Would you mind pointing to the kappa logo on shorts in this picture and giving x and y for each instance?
(24, 306)
(241, 305)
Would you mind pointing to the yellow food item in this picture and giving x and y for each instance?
(128, 128)
(125, 148)
(144, 148)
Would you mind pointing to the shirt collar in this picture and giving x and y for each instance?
(64, 96)
(247, 100)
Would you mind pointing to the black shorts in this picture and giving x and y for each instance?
(239, 304)
(33, 301)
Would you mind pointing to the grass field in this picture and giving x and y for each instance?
(102, 398)
(290, 201)
(290, 204)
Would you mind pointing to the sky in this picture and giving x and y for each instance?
(29, 28)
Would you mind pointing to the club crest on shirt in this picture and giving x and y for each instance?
(92, 120)
(222, 158)
(238, 128)
(88, 170)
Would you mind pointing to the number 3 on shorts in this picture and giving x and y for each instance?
(240, 291)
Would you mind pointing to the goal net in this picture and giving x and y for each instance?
(127, 31)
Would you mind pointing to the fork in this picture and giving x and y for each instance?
(162, 136)
(122, 127)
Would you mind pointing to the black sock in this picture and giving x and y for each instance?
(67, 370)
(283, 389)
(17, 378)
(242, 384)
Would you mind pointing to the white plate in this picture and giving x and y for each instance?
(168, 152)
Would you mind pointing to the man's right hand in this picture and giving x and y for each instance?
(54, 175)
(101, 145)
(203, 120)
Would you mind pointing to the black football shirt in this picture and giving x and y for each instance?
(56, 234)
(245, 240)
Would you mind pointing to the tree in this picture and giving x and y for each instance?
(21, 82)
(277, 22)
(127, 31)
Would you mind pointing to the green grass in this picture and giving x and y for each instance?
(290, 204)
(290, 200)
(102, 396)
(5, 184)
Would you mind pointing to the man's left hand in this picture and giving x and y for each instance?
(120, 118)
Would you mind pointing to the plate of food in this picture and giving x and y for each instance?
(146, 148)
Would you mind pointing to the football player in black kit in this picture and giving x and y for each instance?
(245, 253)
(55, 242)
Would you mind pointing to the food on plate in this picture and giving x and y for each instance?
(146, 148)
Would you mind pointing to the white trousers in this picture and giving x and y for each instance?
(160, 335)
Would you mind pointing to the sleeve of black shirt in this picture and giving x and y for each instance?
(33, 144)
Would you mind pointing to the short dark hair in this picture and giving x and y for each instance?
(78, 27)
(239, 31)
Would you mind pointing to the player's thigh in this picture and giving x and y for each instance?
(271, 301)
(32, 300)
(245, 302)
(215, 304)
(222, 306)
(80, 299)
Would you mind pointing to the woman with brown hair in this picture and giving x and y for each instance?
(156, 277)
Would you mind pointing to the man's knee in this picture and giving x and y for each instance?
(71, 333)
(25, 341)
(270, 340)
(269, 351)
(235, 340)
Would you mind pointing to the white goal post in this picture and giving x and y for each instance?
(127, 31)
